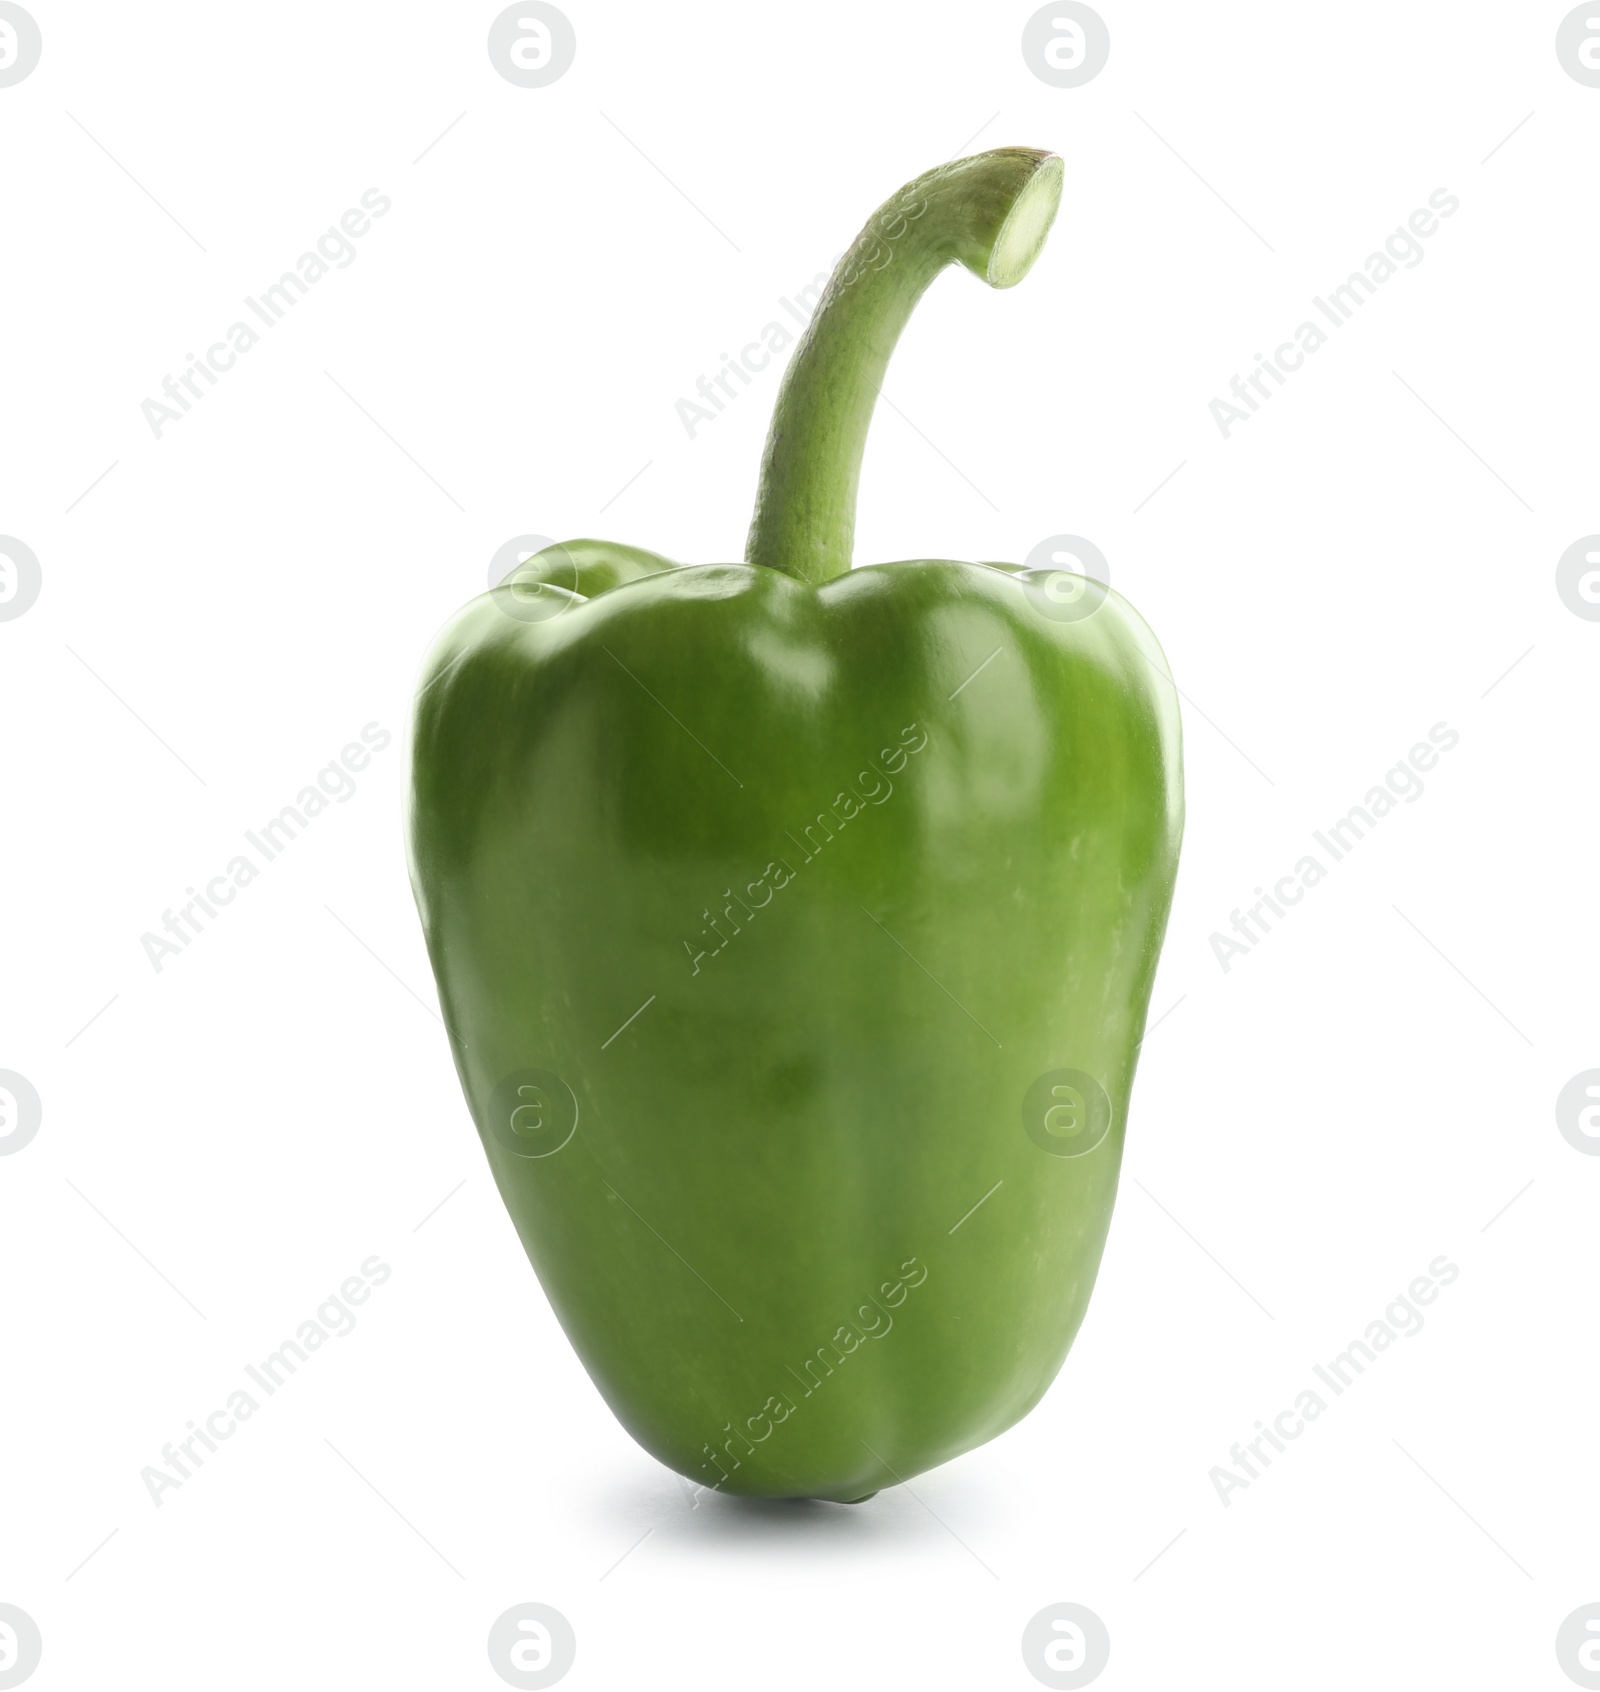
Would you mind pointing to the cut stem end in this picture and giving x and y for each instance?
(1022, 235)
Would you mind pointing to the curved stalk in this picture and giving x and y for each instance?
(991, 213)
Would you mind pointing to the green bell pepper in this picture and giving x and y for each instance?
(794, 928)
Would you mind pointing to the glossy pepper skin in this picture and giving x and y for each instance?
(795, 928)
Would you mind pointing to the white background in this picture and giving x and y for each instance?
(230, 603)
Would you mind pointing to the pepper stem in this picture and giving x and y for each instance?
(991, 213)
